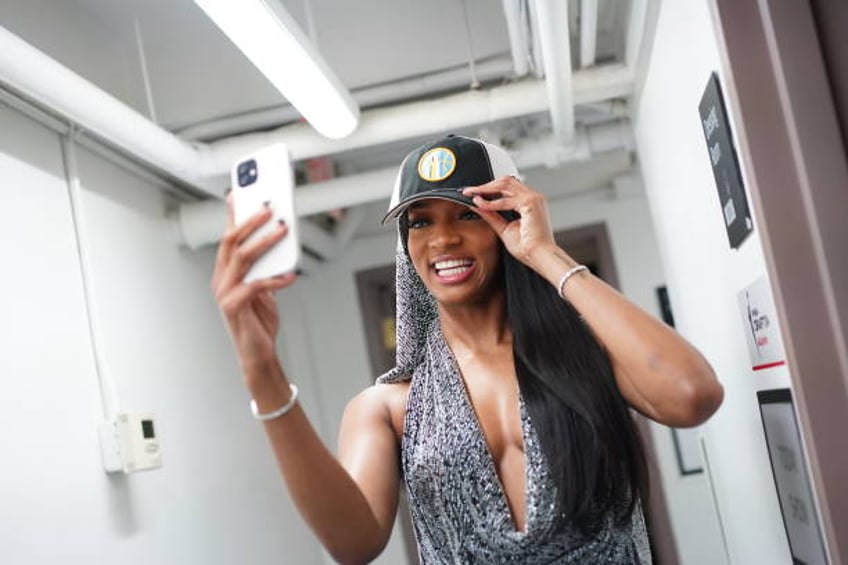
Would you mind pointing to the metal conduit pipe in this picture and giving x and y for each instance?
(517, 37)
(588, 32)
(553, 30)
(423, 118)
(37, 77)
(394, 123)
(535, 42)
(41, 79)
(449, 79)
(202, 223)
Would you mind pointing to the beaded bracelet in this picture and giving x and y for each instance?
(281, 411)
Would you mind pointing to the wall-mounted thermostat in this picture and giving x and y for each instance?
(130, 443)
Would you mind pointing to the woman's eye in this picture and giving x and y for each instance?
(416, 223)
(469, 215)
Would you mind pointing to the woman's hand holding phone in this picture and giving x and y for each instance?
(261, 179)
(249, 308)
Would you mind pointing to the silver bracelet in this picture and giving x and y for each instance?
(568, 274)
(281, 411)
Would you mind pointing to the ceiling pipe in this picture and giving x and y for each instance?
(517, 36)
(37, 77)
(588, 32)
(553, 29)
(202, 223)
(635, 32)
(41, 79)
(427, 117)
(383, 125)
(488, 69)
(535, 42)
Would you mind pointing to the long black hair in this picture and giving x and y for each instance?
(587, 433)
(589, 438)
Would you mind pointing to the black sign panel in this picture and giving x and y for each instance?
(722, 155)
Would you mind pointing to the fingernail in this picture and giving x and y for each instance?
(227, 192)
(267, 203)
(298, 272)
(281, 221)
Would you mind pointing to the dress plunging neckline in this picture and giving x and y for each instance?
(457, 502)
(484, 445)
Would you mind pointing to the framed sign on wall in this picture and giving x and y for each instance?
(789, 467)
(725, 164)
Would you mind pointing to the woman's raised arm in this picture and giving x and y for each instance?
(350, 505)
(657, 371)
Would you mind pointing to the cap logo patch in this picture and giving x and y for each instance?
(437, 164)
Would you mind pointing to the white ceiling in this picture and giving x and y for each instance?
(196, 74)
(196, 77)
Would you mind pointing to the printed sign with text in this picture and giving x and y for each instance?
(762, 332)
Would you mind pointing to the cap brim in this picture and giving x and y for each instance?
(452, 194)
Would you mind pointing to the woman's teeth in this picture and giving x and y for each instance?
(453, 272)
(453, 267)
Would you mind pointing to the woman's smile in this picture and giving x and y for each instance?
(450, 270)
(455, 252)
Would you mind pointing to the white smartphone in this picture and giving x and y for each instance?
(264, 176)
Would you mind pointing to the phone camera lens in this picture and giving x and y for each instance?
(247, 173)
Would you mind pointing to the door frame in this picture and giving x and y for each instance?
(795, 160)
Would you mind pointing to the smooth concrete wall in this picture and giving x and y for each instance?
(704, 276)
(218, 497)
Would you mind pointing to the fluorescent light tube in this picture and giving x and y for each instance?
(270, 38)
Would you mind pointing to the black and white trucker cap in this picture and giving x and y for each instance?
(444, 167)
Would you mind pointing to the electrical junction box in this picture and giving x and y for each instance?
(129, 443)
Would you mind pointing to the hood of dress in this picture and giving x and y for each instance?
(416, 311)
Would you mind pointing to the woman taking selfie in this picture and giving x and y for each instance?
(507, 417)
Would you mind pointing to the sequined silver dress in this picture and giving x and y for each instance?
(458, 506)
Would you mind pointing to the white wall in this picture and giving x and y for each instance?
(218, 497)
(704, 277)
